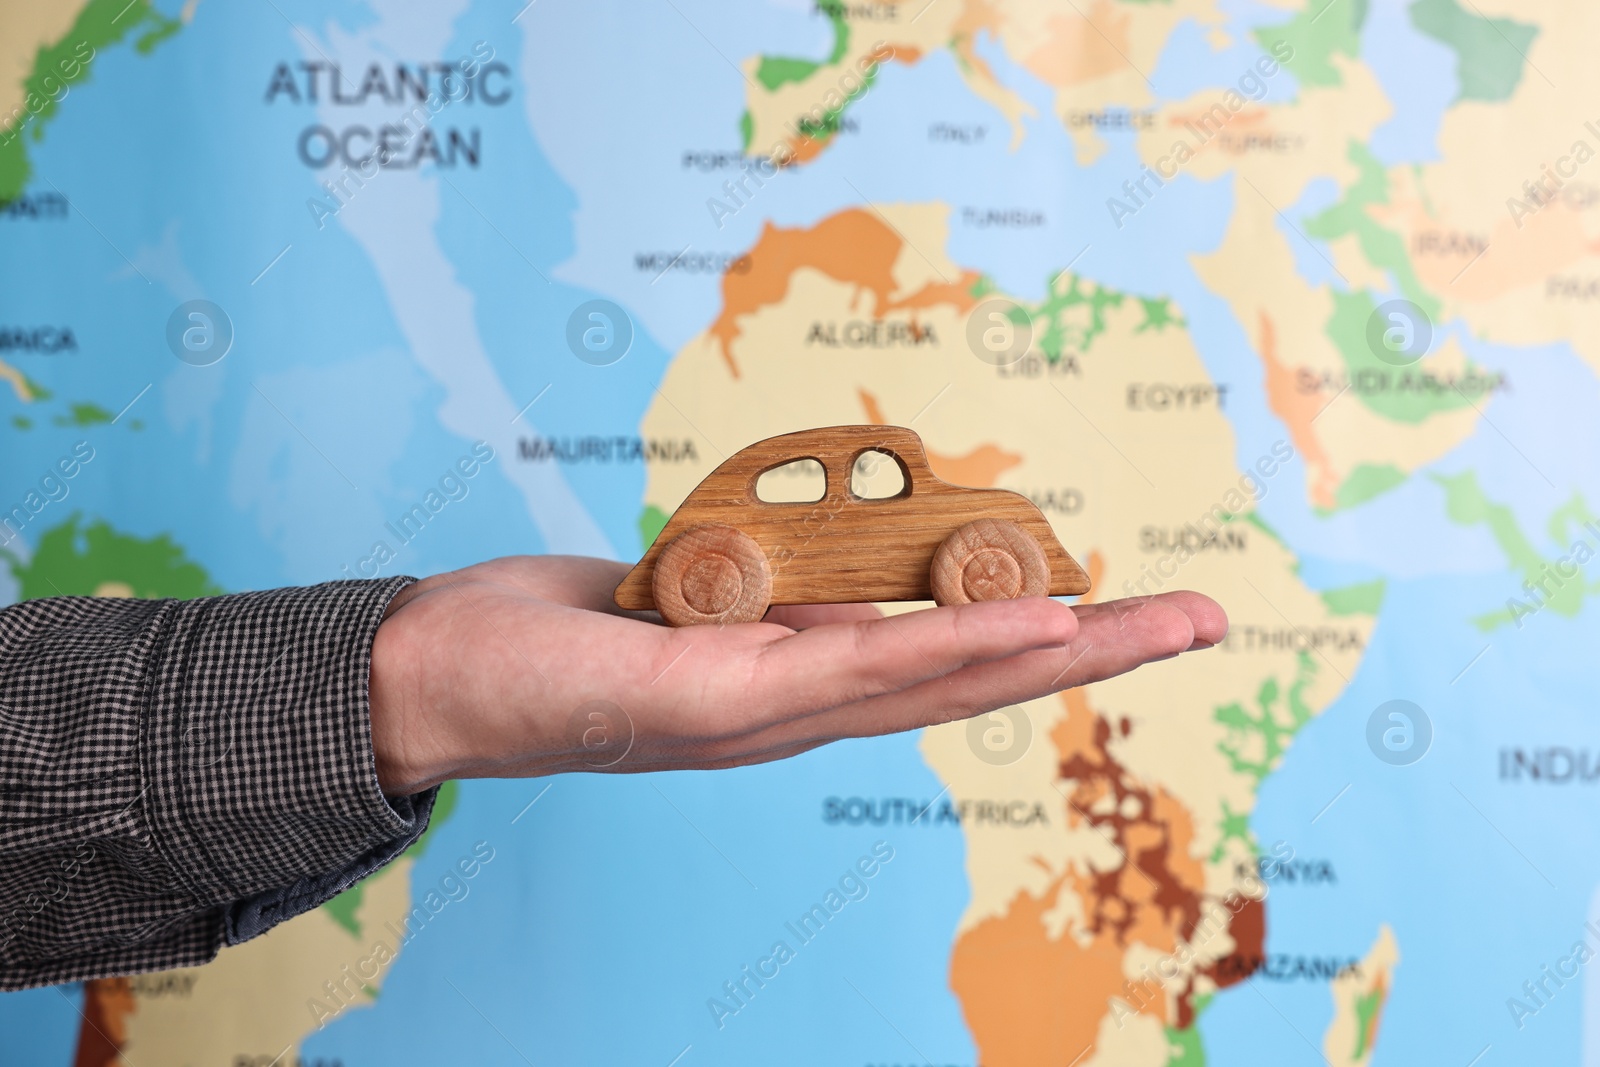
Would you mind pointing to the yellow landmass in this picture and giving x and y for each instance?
(24, 29)
(19, 383)
(1353, 1034)
(1276, 149)
(1520, 267)
(251, 1004)
(1286, 321)
(1056, 904)
(1094, 55)
(900, 35)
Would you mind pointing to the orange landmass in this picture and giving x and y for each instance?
(1031, 998)
(803, 149)
(1095, 567)
(107, 1003)
(1079, 48)
(1549, 240)
(977, 469)
(1205, 122)
(854, 247)
(1298, 411)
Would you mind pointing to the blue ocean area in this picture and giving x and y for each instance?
(618, 909)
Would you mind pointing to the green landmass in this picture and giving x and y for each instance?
(84, 415)
(1158, 314)
(443, 807)
(1383, 248)
(651, 522)
(1235, 825)
(774, 72)
(1323, 29)
(1367, 1008)
(747, 130)
(841, 31)
(1364, 598)
(1184, 1046)
(1281, 715)
(22, 422)
(1426, 397)
(1368, 480)
(76, 559)
(342, 908)
(101, 24)
(1467, 505)
(1490, 53)
(1073, 316)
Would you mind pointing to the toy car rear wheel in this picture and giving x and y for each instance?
(712, 574)
(989, 559)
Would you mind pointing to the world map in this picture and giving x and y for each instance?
(1292, 303)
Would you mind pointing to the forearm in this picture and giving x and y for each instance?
(175, 776)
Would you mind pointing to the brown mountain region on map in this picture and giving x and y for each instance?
(1032, 998)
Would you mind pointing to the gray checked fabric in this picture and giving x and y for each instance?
(180, 775)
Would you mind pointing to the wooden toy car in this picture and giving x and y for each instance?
(726, 555)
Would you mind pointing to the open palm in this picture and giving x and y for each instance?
(524, 666)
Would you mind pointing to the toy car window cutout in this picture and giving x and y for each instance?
(800, 481)
(877, 474)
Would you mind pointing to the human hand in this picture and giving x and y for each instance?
(482, 672)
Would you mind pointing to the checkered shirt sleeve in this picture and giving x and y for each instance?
(180, 775)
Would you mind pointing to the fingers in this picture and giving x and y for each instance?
(805, 616)
(1209, 621)
(841, 663)
(1110, 641)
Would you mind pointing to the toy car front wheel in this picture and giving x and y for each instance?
(712, 574)
(989, 559)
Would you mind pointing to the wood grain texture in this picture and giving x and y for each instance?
(845, 549)
(988, 559)
(712, 574)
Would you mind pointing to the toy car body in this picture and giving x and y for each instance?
(726, 555)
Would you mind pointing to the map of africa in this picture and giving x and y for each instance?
(1293, 303)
